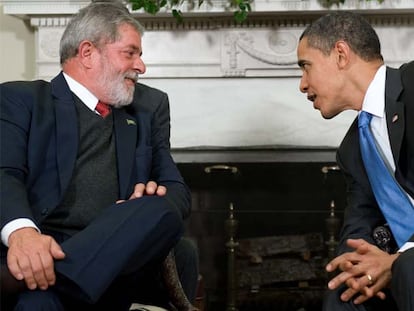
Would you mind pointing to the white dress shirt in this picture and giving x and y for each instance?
(374, 103)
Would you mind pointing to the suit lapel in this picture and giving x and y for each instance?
(66, 130)
(394, 111)
(126, 139)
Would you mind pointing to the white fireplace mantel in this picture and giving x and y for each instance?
(232, 85)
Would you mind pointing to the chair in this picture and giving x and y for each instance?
(177, 297)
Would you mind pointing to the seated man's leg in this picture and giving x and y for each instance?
(186, 258)
(124, 239)
(38, 300)
(332, 302)
(402, 283)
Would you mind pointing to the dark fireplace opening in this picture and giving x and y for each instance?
(271, 201)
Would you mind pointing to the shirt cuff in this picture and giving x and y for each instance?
(406, 246)
(14, 225)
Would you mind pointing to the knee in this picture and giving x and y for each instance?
(38, 300)
(186, 249)
(332, 301)
(403, 269)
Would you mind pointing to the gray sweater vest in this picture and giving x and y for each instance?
(94, 183)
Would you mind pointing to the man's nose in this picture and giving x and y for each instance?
(140, 65)
(303, 86)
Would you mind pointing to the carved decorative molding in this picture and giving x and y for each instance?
(29, 8)
(232, 85)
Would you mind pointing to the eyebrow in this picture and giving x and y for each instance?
(134, 48)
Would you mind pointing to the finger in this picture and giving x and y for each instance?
(338, 280)
(151, 187)
(341, 259)
(56, 250)
(138, 191)
(39, 272)
(348, 294)
(161, 191)
(360, 283)
(48, 268)
(381, 295)
(14, 268)
(334, 263)
(346, 265)
(26, 269)
(366, 294)
(361, 246)
(343, 262)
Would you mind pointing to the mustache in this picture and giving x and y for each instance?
(132, 75)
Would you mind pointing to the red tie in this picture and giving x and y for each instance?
(103, 109)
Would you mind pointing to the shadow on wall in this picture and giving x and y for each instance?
(17, 56)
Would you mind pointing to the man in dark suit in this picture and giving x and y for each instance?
(343, 68)
(91, 200)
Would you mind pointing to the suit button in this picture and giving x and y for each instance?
(45, 211)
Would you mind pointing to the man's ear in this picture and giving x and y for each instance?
(342, 51)
(85, 52)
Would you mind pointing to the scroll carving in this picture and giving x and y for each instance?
(258, 50)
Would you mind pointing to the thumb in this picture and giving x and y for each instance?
(56, 250)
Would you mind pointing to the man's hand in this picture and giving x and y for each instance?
(31, 257)
(366, 271)
(151, 188)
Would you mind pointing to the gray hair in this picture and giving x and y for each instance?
(98, 23)
(347, 26)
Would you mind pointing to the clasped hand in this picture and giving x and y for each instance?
(366, 271)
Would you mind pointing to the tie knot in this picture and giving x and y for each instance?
(103, 109)
(364, 119)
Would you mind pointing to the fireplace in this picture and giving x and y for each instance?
(286, 196)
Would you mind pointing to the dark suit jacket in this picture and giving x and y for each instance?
(39, 143)
(363, 214)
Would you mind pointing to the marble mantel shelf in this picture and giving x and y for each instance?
(265, 154)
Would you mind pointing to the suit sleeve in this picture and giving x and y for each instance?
(15, 119)
(362, 213)
(164, 170)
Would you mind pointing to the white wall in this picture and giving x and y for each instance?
(235, 86)
(17, 53)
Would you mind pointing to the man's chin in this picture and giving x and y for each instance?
(127, 100)
(328, 115)
(121, 104)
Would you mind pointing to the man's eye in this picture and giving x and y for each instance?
(305, 67)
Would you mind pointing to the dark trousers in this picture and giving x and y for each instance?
(400, 297)
(122, 246)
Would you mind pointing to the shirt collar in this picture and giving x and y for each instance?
(374, 100)
(82, 92)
